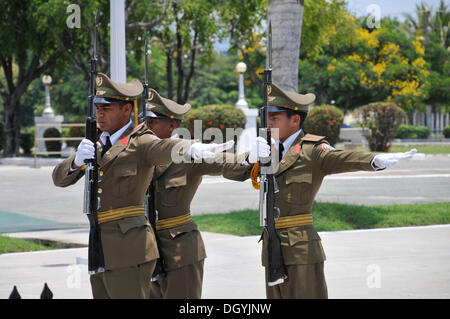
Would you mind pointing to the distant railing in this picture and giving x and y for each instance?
(62, 138)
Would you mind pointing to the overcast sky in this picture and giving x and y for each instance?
(393, 8)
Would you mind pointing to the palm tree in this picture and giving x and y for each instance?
(441, 25)
(286, 17)
(434, 26)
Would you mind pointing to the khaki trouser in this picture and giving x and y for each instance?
(123, 283)
(304, 281)
(182, 283)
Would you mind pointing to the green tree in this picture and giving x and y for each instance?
(371, 65)
(30, 52)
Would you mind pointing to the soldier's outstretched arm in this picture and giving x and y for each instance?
(240, 167)
(332, 161)
(164, 151)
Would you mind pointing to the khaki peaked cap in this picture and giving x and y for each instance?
(109, 91)
(160, 107)
(280, 100)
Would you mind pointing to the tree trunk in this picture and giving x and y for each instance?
(11, 129)
(169, 75)
(179, 64)
(286, 17)
(13, 91)
(191, 70)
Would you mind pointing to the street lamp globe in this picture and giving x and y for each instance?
(47, 79)
(241, 67)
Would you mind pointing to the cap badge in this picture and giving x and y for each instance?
(99, 80)
(151, 95)
(100, 92)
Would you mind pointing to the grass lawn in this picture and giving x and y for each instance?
(10, 245)
(426, 149)
(331, 217)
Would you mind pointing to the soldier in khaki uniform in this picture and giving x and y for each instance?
(127, 157)
(180, 243)
(304, 161)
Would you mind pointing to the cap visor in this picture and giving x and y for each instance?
(105, 100)
(155, 115)
(276, 109)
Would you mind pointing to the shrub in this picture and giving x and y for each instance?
(446, 131)
(53, 146)
(26, 142)
(383, 119)
(214, 116)
(324, 120)
(411, 131)
(1, 135)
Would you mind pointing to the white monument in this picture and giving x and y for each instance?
(248, 136)
(48, 118)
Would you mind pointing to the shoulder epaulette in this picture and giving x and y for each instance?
(141, 129)
(312, 138)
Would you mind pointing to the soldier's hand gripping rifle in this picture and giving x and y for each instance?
(276, 269)
(91, 201)
(150, 200)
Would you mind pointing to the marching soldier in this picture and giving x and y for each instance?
(127, 157)
(304, 161)
(180, 243)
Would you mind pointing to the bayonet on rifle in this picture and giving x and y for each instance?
(276, 269)
(96, 261)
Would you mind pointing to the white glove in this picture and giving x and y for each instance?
(199, 150)
(259, 149)
(85, 151)
(387, 160)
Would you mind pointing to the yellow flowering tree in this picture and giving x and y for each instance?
(370, 65)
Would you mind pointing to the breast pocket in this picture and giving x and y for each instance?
(124, 179)
(298, 187)
(171, 192)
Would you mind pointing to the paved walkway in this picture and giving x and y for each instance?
(410, 262)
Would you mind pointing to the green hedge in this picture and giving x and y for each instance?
(411, 131)
(26, 142)
(1, 135)
(324, 120)
(220, 117)
(446, 131)
(53, 146)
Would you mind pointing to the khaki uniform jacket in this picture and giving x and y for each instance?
(299, 176)
(124, 174)
(175, 187)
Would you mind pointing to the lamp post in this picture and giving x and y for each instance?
(47, 80)
(241, 103)
(248, 135)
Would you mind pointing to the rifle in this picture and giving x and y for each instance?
(145, 92)
(276, 269)
(96, 262)
(150, 202)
